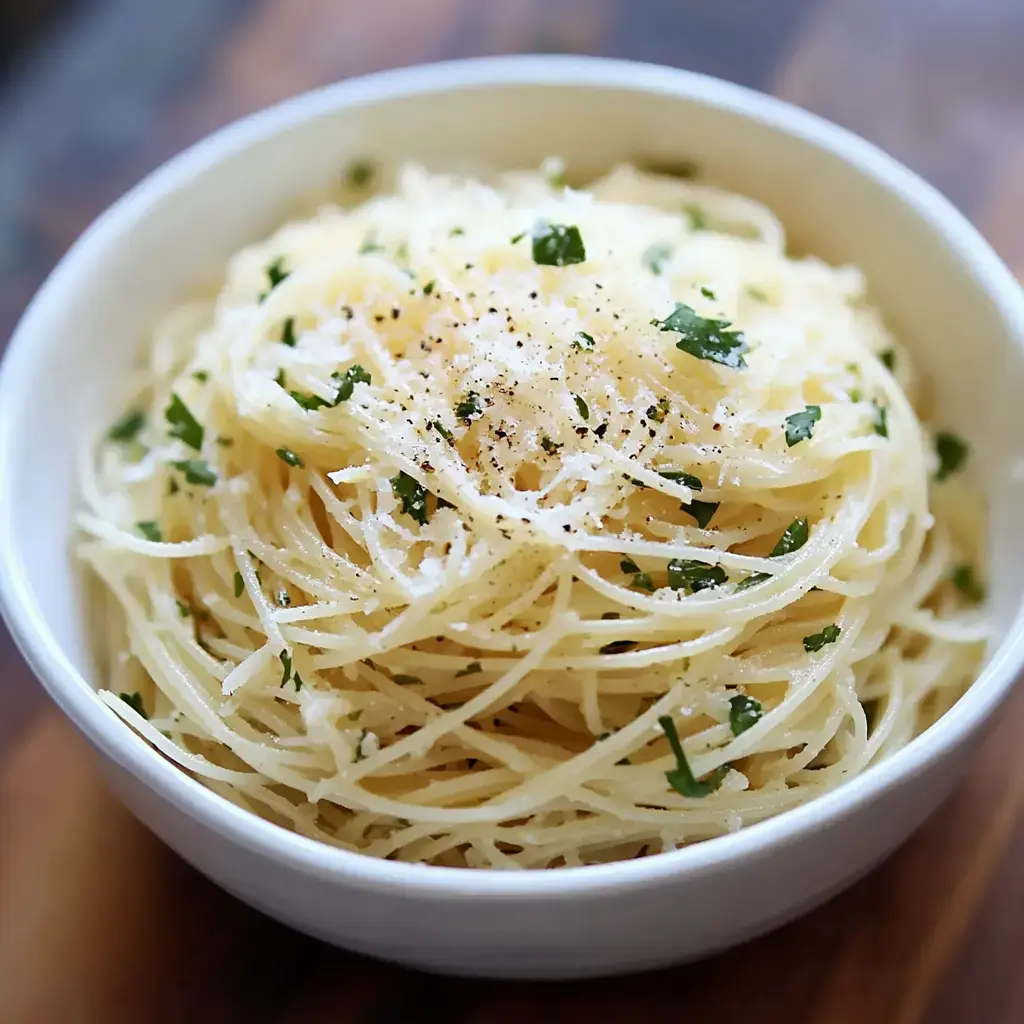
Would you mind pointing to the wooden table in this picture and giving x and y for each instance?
(934, 935)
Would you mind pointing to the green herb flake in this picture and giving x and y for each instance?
(456, 231)
(657, 413)
(134, 701)
(275, 275)
(172, 487)
(284, 599)
(881, 420)
(952, 453)
(442, 430)
(708, 293)
(183, 609)
(428, 288)
(150, 530)
(128, 426)
(551, 447)
(686, 574)
(470, 670)
(308, 402)
(702, 511)
(704, 338)
(347, 380)
(583, 342)
(286, 665)
(201, 376)
(288, 456)
(815, 642)
(182, 424)
(681, 778)
(641, 580)
(697, 217)
(888, 357)
(360, 173)
(966, 582)
(655, 257)
(197, 471)
(557, 245)
(288, 333)
(224, 442)
(752, 581)
(607, 616)
(744, 712)
(469, 407)
(756, 293)
(581, 405)
(369, 245)
(793, 539)
(239, 584)
(404, 680)
(686, 479)
(413, 496)
(800, 426)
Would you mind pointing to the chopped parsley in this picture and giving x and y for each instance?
(952, 453)
(284, 599)
(413, 496)
(642, 580)
(239, 584)
(182, 424)
(360, 173)
(134, 701)
(197, 471)
(697, 217)
(888, 357)
(881, 421)
(183, 609)
(756, 293)
(469, 407)
(965, 581)
(308, 402)
(557, 245)
(404, 680)
(800, 426)
(201, 376)
(704, 338)
(150, 530)
(692, 576)
(744, 712)
(581, 405)
(288, 456)
(610, 615)
(128, 426)
(618, 647)
(456, 231)
(677, 476)
(793, 539)
(288, 332)
(658, 412)
(551, 447)
(442, 430)
(708, 293)
(347, 380)
(815, 642)
(681, 778)
(275, 275)
(428, 288)
(702, 511)
(752, 581)
(656, 256)
(470, 670)
(582, 341)
(370, 244)
(286, 665)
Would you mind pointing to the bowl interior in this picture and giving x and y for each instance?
(942, 290)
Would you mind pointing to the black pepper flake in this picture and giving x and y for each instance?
(379, 317)
(582, 431)
(346, 312)
(395, 313)
(601, 430)
(491, 309)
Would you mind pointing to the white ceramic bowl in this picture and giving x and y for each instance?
(941, 286)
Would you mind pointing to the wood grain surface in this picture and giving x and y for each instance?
(935, 934)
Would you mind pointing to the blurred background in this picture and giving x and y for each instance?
(96, 93)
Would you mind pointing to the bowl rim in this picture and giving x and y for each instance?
(77, 698)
